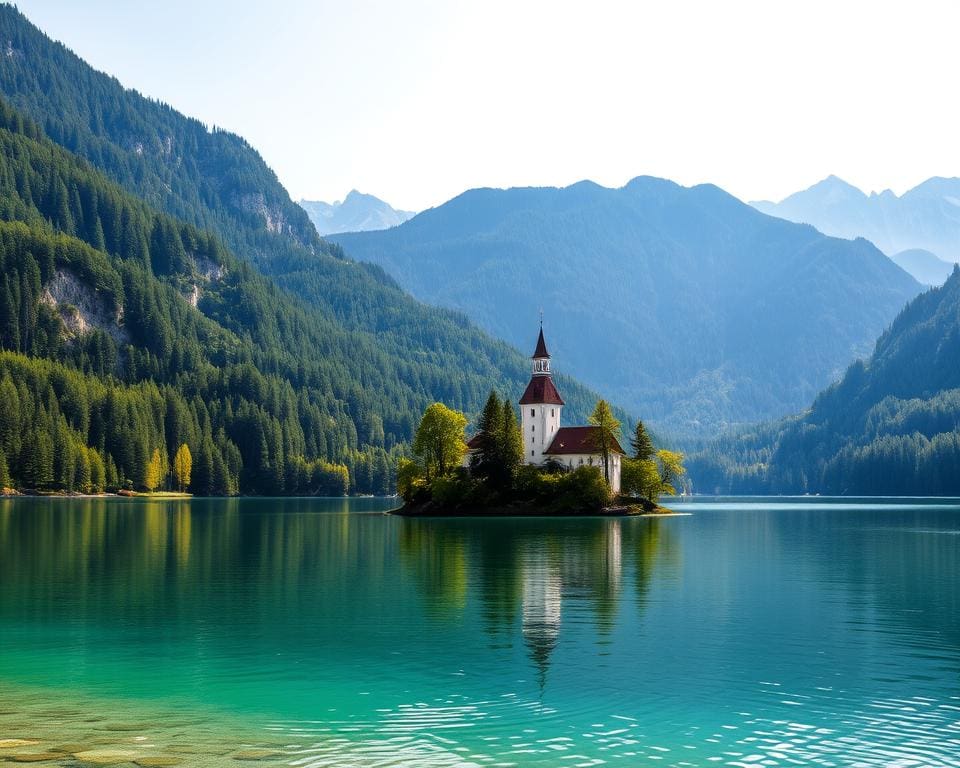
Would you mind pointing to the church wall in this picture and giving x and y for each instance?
(539, 423)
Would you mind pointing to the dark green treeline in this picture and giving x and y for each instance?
(145, 252)
(890, 426)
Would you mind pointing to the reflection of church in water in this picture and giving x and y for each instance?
(584, 572)
(555, 584)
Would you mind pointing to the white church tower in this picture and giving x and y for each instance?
(540, 407)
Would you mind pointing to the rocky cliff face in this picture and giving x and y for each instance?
(80, 309)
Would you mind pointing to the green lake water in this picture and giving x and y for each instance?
(324, 633)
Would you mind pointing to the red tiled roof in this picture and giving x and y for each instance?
(541, 390)
(541, 350)
(578, 440)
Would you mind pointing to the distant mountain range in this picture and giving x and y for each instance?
(927, 217)
(891, 426)
(686, 305)
(926, 267)
(356, 213)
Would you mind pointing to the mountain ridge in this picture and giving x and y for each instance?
(925, 217)
(357, 212)
(616, 269)
(891, 425)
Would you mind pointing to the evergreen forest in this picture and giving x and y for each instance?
(158, 288)
(890, 426)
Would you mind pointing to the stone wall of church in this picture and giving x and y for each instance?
(539, 424)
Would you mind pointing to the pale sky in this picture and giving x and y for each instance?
(417, 101)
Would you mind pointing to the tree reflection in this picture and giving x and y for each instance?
(529, 569)
(303, 575)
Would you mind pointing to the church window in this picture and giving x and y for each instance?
(551, 413)
(533, 412)
(533, 427)
(531, 453)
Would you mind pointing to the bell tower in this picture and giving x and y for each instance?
(540, 406)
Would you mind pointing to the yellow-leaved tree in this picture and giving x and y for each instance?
(154, 473)
(439, 442)
(182, 466)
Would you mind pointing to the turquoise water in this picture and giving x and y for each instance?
(752, 632)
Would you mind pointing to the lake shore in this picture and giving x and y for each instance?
(32, 494)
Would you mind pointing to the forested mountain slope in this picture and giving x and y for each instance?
(686, 305)
(891, 426)
(216, 181)
(128, 330)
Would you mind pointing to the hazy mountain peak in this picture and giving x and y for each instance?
(926, 217)
(832, 189)
(357, 212)
(936, 187)
(925, 266)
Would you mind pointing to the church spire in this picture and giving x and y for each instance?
(541, 388)
(541, 350)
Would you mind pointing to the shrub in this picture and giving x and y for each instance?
(581, 490)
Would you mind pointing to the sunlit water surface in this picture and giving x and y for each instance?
(324, 633)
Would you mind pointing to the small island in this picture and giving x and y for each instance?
(533, 466)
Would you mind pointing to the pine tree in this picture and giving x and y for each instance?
(111, 477)
(9, 418)
(641, 443)
(512, 441)
(98, 479)
(486, 461)
(38, 459)
(4, 471)
(82, 470)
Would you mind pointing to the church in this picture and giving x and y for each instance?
(543, 437)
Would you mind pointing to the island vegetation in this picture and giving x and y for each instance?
(496, 481)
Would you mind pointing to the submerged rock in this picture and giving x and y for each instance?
(13, 743)
(256, 754)
(70, 749)
(37, 757)
(105, 756)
